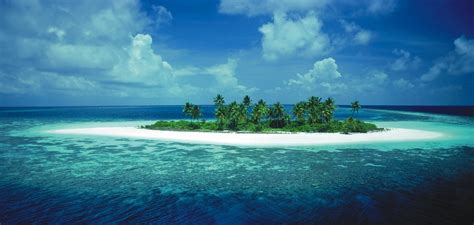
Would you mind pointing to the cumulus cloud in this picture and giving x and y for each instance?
(143, 65)
(252, 8)
(403, 84)
(358, 35)
(404, 61)
(86, 42)
(460, 61)
(292, 34)
(379, 77)
(97, 46)
(225, 77)
(323, 74)
(285, 36)
(63, 57)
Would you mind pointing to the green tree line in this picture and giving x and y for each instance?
(312, 115)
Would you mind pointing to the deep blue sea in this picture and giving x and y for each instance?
(65, 179)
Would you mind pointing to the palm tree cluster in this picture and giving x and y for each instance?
(194, 111)
(314, 111)
(237, 116)
(312, 114)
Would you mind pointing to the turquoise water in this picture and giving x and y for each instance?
(48, 178)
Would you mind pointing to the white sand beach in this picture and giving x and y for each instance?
(255, 139)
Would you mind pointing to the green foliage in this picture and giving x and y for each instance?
(313, 107)
(310, 116)
(247, 101)
(328, 109)
(355, 107)
(278, 116)
(299, 112)
(192, 110)
(357, 126)
(260, 110)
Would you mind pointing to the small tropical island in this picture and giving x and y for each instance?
(311, 122)
(311, 116)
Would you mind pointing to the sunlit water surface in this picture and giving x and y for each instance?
(47, 178)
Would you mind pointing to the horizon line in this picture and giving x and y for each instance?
(51, 106)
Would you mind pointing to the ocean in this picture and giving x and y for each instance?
(66, 179)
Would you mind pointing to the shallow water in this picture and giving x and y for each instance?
(48, 178)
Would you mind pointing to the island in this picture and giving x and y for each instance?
(313, 115)
(245, 124)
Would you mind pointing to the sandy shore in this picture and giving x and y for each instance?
(252, 139)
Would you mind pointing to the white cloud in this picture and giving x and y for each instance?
(381, 6)
(379, 77)
(267, 7)
(225, 77)
(187, 71)
(363, 37)
(161, 15)
(143, 65)
(70, 57)
(457, 62)
(58, 32)
(29, 81)
(464, 46)
(223, 74)
(359, 36)
(252, 8)
(286, 37)
(323, 73)
(434, 71)
(464, 63)
(403, 84)
(446, 89)
(374, 82)
(333, 87)
(92, 46)
(97, 48)
(404, 61)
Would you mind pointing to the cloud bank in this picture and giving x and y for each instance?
(460, 61)
(285, 37)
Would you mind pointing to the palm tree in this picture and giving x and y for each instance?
(246, 102)
(236, 115)
(242, 113)
(195, 112)
(313, 107)
(259, 111)
(220, 111)
(277, 115)
(299, 111)
(355, 107)
(219, 100)
(187, 110)
(328, 109)
(221, 114)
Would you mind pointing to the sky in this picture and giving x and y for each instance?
(161, 52)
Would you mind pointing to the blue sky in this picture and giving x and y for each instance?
(168, 52)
